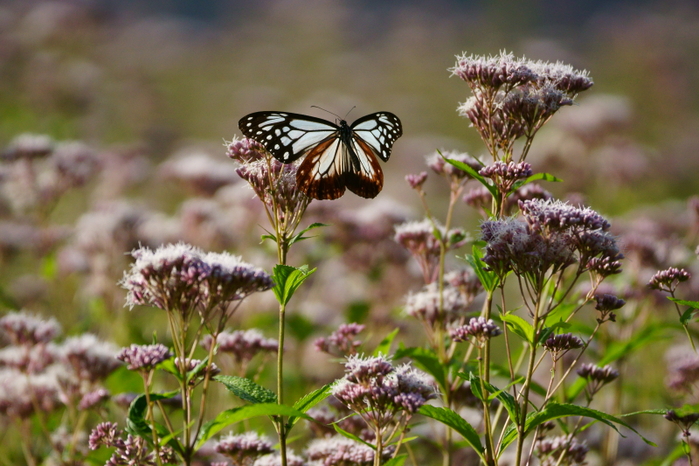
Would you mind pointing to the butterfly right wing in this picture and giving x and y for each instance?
(287, 136)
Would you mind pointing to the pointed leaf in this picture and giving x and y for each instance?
(385, 346)
(519, 326)
(507, 400)
(397, 461)
(555, 410)
(473, 174)
(300, 237)
(246, 389)
(287, 279)
(456, 422)
(351, 436)
(536, 177)
(488, 279)
(309, 400)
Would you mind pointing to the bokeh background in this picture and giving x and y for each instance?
(148, 91)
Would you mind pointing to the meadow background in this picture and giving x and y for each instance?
(136, 99)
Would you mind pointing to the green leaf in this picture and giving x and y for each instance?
(136, 423)
(309, 400)
(519, 326)
(684, 302)
(397, 461)
(456, 422)
(246, 389)
(507, 400)
(351, 436)
(385, 346)
(231, 416)
(536, 177)
(426, 360)
(300, 237)
(287, 279)
(488, 279)
(555, 410)
(687, 315)
(169, 366)
(473, 174)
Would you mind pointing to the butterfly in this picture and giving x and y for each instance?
(337, 156)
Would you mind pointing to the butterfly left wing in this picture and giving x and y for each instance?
(287, 136)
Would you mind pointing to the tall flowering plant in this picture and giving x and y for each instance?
(530, 244)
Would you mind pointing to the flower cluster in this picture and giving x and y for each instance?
(597, 377)
(378, 392)
(668, 279)
(243, 449)
(554, 236)
(424, 239)
(607, 303)
(514, 97)
(338, 450)
(144, 357)
(341, 342)
(562, 450)
(129, 451)
(22, 328)
(241, 345)
(562, 343)
(478, 328)
(183, 279)
(504, 175)
(425, 305)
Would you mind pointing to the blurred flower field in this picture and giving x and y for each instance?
(482, 309)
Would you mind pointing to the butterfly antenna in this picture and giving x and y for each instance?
(350, 111)
(333, 114)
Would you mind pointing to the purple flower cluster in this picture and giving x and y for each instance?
(341, 451)
(22, 328)
(597, 377)
(504, 175)
(562, 343)
(242, 345)
(416, 180)
(129, 451)
(183, 279)
(514, 97)
(90, 358)
(668, 279)
(243, 449)
(560, 450)
(144, 357)
(478, 328)
(245, 150)
(341, 342)
(378, 392)
(554, 236)
(420, 240)
(425, 305)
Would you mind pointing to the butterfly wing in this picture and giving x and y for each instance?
(322, 174)
(287, 136)
(378, 131)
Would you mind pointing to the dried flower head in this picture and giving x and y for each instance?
(144, 357)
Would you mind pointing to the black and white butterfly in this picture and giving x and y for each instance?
(338, 156)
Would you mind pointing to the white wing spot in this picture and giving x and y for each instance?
(285, 140)
(276, 147)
